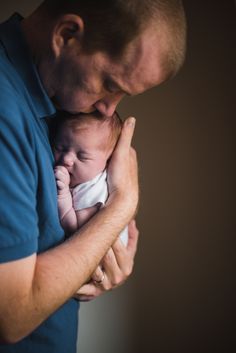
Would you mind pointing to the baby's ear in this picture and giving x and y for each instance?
(67, 33)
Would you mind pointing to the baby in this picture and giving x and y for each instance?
(82, 145)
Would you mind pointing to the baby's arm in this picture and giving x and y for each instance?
(70, 219)
(85, 214)
(67, 213)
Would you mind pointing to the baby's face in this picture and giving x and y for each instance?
(79, 152)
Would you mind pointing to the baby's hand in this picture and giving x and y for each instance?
(62, 178)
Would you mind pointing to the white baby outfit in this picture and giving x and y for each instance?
(94, 192)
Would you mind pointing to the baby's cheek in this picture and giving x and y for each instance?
(78, 175)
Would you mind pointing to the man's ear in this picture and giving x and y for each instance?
(68, 31)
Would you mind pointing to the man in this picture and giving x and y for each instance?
(77, 56)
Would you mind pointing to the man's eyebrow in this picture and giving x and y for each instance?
(124, 90)
(119, 87)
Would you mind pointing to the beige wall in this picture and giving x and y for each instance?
(181, 297)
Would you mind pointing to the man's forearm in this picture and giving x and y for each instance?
(60, 272)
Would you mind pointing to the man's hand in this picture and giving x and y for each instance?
(115, 268)
(123, 172)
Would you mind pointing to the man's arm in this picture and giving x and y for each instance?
(34, 287)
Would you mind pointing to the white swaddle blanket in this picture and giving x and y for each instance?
(93, 192)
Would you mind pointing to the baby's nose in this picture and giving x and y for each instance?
(68, 159)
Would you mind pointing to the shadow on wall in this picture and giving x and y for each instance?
(185, 137)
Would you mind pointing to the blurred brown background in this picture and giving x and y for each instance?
(181, 297)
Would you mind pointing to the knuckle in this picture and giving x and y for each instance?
(107, 286)
(107, 258)
(117, 280)
(128, 270)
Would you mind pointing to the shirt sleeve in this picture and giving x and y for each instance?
(18, 186)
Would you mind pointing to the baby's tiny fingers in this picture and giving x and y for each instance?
(60, 184)
(61, 175)
(57, 173)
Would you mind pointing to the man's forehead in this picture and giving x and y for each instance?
(141, 66)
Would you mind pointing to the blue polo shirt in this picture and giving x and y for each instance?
(29, 220)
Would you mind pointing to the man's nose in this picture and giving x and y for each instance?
(107, 105)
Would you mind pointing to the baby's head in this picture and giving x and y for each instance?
(83, 143)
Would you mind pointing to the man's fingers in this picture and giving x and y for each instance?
(88, 292)
(98, 274)
(133, 237)
(124, 256)
(126, 135)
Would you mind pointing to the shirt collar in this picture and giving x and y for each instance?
(17, 51)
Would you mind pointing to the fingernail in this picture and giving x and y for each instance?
(131, 121)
